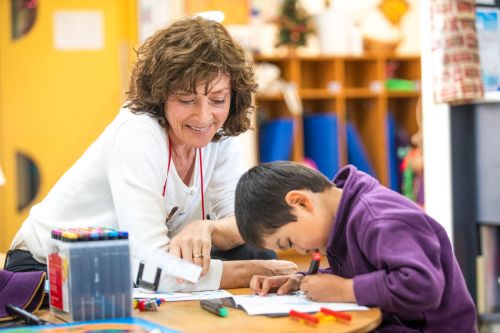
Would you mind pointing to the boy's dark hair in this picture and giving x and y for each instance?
(260, 206)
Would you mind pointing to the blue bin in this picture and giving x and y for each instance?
(356, 153)
(393, 155)
(321, 142)
(276, 140)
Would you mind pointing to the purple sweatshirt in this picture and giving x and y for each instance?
(401, 259)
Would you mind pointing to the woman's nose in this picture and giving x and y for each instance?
(202, 107)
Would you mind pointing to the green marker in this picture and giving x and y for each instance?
(214, 306)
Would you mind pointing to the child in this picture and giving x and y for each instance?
(382, 249)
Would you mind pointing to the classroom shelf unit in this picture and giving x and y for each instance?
(475, 196)
(354, 90)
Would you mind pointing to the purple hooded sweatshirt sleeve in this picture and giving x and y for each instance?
(399, 258)
(410, 276)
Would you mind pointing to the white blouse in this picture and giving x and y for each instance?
(118, 182)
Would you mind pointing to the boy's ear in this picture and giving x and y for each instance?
(299, 199)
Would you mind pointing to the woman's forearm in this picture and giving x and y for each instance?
(225, 234)
(238, 273)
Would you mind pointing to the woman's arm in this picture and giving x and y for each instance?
(136, 171)
(238, 273)
(195, 240)
(225, 234)
(229, 166)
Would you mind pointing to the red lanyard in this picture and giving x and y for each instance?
(201, 177)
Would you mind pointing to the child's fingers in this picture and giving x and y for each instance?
(255, 283)
(271, 284)
(287, 287)
(266, 285)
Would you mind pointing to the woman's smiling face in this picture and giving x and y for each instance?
(194, 118)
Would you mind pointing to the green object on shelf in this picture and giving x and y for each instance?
(400, 85)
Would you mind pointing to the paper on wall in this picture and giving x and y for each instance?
(78, 30)
(2, 178)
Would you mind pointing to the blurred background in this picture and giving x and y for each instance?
(374, 83)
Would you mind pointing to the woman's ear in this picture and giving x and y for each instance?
(299, 199)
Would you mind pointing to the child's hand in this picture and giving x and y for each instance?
(328, 288)
(280, 284)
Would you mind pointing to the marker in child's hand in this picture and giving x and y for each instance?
(316, 258)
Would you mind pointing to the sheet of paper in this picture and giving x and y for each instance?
(488, 35)
(152, 259)
(78, 30)
(272, 304)
(176, 296)
(2, 178)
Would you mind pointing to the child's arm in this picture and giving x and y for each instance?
(283, 284)
(407, 273)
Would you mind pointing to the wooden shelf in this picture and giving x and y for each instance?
(402, 94)
(270, 97)
(361, 93)
(352, 88)
(317, 94)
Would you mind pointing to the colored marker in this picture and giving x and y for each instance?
(68, 236)
(112, 234)
(148, 305)
(336, 314)
(313, 268)
(84, 234)
(214, 307)
(56, 234)
(28, 317)
(94, 235)
(305, 316)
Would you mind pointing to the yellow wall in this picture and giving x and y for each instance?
(53, 103)
(235, 11)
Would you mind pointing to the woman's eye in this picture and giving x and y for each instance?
(218, 101)
(186, 101)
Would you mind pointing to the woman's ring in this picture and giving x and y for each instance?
(198, 256)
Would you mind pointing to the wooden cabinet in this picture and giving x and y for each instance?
(354, 89)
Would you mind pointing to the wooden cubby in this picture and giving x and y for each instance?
(353, 88)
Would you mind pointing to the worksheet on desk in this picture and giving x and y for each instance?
(181, 296)
(273, 304)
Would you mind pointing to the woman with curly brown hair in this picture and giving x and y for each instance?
(167, 163)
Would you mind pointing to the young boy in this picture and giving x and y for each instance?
(382, 249)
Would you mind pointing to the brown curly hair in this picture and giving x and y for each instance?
(190, 52)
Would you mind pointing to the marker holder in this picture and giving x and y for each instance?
(90, 280)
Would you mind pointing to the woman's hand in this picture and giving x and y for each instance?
(280, 284)
(193, 243)
(328, 288)
(239, 273)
